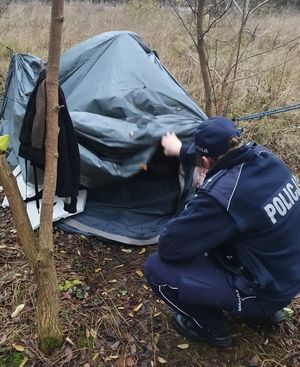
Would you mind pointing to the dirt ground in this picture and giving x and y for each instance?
(111, 318)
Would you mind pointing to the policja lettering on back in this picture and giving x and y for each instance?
(283, 201)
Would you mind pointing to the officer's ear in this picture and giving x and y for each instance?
(207, 162)
(204, 162)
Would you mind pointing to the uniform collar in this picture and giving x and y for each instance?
(233, 158)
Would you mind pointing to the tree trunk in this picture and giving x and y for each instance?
(49, 333)
(203, 58)
(19, 214)
(238, 48)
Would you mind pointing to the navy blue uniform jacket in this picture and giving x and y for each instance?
(249, 205)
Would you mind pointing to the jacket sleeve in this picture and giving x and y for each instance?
(202, 226)
(186, 159)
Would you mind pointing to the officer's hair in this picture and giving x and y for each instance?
(235, 142)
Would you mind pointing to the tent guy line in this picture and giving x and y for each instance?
(259, 115)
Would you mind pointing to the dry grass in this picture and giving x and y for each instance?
(263, 81)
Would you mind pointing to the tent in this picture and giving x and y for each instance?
(121, 100)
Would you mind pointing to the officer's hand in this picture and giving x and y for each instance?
(171, 144)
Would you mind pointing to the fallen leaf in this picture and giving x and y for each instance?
(133, 349)
(127, 250)
(109, 358)
(138, 307)
(119, 266)
(120, 362)
(157, 314)
(17, 310)
(183, 346)
(87, 333)
(70, 341)
(95, 357)
(97, 270)
(145, 286)
(161, 360)
(139, 273)
(254, 362)
(129, 362)
(143, 250)
(130, 314)
(69, 354)
(112, 281)
(115, 345)
(25, 360)
(93, 333)
(3, 339)
(18, 347)
(2, 247)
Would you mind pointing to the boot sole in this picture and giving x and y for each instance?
(218, 343)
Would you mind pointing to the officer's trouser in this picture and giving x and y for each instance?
(201, 291)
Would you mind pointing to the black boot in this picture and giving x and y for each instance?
(190, 330)
(277, 317)
(269, 322)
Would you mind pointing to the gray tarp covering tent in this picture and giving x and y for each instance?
(121, 100)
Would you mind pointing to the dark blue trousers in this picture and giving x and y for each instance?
(201, 291)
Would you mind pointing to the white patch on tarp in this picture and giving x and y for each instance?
(34, 215)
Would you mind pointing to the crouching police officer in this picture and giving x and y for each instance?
(236, 245)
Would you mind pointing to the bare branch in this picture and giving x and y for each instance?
(4, 7)
(216, 73)
(239, 42)
(248, 44)
(215, 21)
(253, 34)
(213, 7)
(220, 40)
(212, 82)
(270, 49)
(258, 6)
(265, 70)
(263, 52)
(237, 5)
(224, 83)
(284, 67)
(230, 25)
(193, 58)
(4, 45)
(182, 22)
(190, 6)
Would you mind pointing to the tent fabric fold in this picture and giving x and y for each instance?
(121, 100)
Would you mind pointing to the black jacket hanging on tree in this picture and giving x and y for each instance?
(32, 142)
